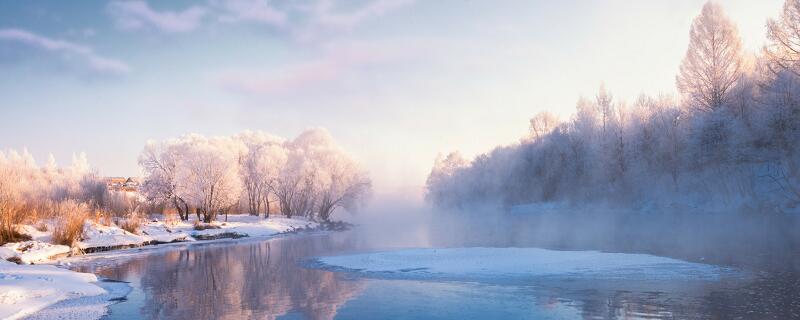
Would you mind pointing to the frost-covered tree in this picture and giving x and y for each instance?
(342, 183)
(159, 162)
(309, 176)
(541, 124)
(208, 175)
(439, 183)
(260, 167)
(742, 150)
(712, 64)
(783, 49)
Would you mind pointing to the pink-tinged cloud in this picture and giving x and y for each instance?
(259, 11)
(337, 63)
(134, 15)
(85, 54)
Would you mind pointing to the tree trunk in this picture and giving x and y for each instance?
(266, 211)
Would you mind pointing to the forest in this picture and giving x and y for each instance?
(728, 142)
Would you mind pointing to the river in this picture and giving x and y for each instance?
(270, 279)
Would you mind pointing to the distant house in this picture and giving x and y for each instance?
(130, 184)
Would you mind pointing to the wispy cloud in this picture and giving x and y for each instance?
(326, 18)
(259, 11)
(336, 63)
(134, 15)
(325, 13)
(304, 22)
(67, 49)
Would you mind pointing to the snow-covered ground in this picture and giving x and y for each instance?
(34, 251)
(26, 288)
(482, 262)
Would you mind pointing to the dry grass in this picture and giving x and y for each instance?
(199, 226)
(171, 219)
(41, 226)
(131, 224)
(70, 218)
(102, 217)
(11, 208)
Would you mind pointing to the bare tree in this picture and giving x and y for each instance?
(712, 64)
(342, 184)
(783, 50)
(260, 168)
(604, 107)
(252, 182)
(541, 124)
(159, 162)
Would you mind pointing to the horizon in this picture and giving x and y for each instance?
(393, 94)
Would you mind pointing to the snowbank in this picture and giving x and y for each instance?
(253, 226)
(25, 289)
(98, 237)
(521, 262)
(161, 233)
(34, 251)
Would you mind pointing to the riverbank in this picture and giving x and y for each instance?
(31, 273)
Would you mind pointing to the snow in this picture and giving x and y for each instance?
(100, 236)
(25, 289)
(97, 235)
(85, 307)
(35, 234)
(254, 226)
(158, 231)
(482, 262)
(32, 251)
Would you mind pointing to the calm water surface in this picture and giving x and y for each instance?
(266, 279)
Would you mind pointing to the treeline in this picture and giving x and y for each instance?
(730, 140)
(254, 172)
(251, 172)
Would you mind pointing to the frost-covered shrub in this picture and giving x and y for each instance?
(131, 224)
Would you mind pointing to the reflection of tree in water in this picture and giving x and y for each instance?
(251, 280)
(263, 280)
(772, 295)
(614, 300)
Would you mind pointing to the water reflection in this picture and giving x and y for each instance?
(261, 279)
(250, 280)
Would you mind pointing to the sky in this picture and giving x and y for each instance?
(396, 82)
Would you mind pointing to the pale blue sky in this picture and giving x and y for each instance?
(395, 81)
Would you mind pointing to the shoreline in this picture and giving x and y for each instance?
(95, 307)
(49, 286)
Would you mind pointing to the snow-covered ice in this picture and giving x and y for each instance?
(483, 262)
(25, 289)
